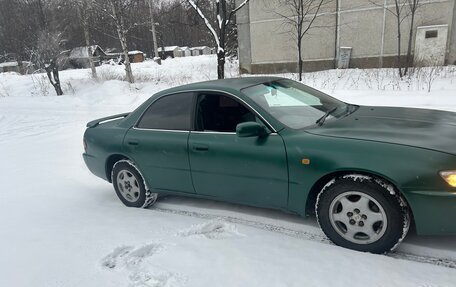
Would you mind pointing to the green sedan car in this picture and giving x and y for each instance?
(367, 173)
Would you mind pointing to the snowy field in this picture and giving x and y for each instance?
(62, 226)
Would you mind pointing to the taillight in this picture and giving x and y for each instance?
(84, 143)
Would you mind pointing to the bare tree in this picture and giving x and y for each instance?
(18, 33)
(119, 11)
(403, 10)
(49, 50)
(298, 19)
(84, 8)
(179, 25)
(225, 11)
(400, 14)
(413, 6)
(154, 32)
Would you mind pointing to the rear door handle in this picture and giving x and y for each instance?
(200, 147)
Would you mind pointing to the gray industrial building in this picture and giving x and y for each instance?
(365, 32)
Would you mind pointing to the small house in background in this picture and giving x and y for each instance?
(169, 51)
(185, 51)
(203, 50)
(136, 56)
(113, 58)
(213, 51)
(118, 58)
(195, 51)
(79, 57)
(13, 66)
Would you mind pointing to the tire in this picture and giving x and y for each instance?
(362, 213)
(130, 186)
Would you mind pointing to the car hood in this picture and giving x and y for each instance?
(429, 129)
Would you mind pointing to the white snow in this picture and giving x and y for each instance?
(14, 64)
(62, 226)
(135, 52)
(212, 229)
(83, 52)
(169, 48)
(357, 177)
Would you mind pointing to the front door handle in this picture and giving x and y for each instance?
(133, 142)
(200, 147)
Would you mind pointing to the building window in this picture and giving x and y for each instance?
(431, 34)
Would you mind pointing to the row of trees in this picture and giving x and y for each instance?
(177, 24)
(299, 18)
(40, 30)
(404, 11)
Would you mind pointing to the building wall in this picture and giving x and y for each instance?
(266, 46)
(430, 45)
(452, 38)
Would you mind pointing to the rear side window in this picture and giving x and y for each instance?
(169, 113)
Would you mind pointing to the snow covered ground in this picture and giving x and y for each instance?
(62, 226)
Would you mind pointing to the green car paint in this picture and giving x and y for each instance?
(406, 147)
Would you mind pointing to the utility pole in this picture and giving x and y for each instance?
(337, 48)
(382, 47)
(154, 34)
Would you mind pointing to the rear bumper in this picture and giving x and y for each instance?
(95, 165)
(434, 211)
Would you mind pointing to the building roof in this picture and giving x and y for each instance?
(83, 52)
(169, 48)
(135, 52)
(200, 48)
(14, 64)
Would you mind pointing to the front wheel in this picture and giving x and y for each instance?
(363, 214)
(129, 185)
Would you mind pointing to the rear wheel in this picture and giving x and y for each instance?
(129, 185)
(361, 213)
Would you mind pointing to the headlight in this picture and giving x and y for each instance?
(449, 176)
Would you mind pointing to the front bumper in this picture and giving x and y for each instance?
(434, 211)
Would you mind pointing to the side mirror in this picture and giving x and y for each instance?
(250, 129)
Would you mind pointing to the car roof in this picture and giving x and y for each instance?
(223, 85)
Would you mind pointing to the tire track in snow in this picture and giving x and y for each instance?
(442, 262)
(250, 223)
(300, 234)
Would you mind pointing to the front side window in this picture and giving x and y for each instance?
(294, 104)
(169, 113)
(220, 113)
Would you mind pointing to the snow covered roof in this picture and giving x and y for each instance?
(200, 48)
(136, 52)
(169, 48)
(14, 64)
(83, 52)
(184, 48)
(114, 54)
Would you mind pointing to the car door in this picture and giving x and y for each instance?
(245, 170)
(158, 143)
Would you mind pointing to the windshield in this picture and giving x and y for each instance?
(296, 105)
